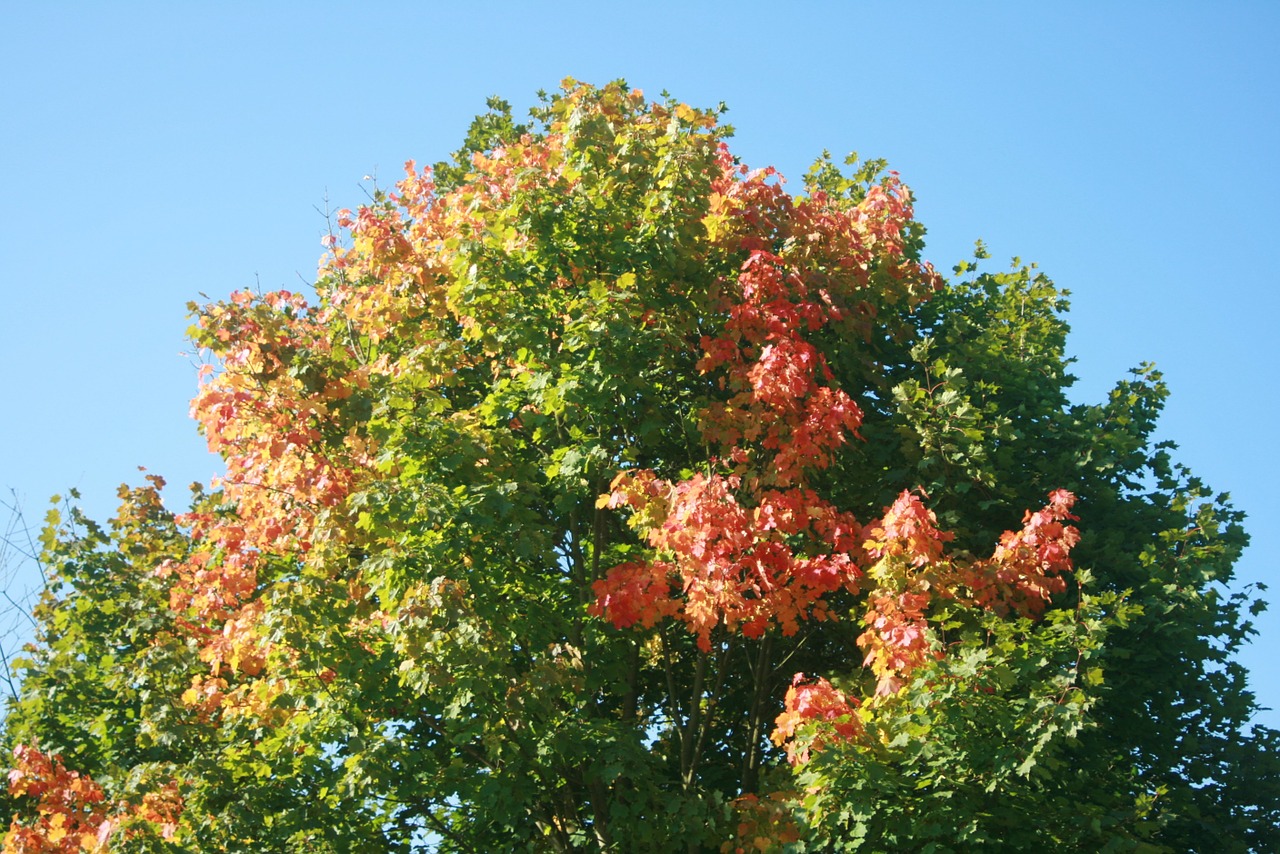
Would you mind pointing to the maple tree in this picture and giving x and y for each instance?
(608, 496)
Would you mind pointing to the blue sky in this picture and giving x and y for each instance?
(151, 152)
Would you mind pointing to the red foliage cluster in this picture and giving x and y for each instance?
(816, 701)
(730, 565)
(908, 529)
(1027, 567)
(733, 550)
(637, 594)
(1023, 573)
(757, 546)
(905, 543)
(808, 266)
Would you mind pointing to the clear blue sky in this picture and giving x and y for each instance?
(153, 151)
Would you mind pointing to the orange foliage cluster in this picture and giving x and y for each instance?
(283, 437)
(279, 410)
(897, 638)
(765, 824)
(72, 813)
(213, 590)
(1023, 573)
(733, 567)
(292, 453)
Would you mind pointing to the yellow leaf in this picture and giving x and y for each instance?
(712, 223)
(57, 830)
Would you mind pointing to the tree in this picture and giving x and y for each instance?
(609, 497)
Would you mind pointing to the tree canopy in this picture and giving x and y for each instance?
(607, 496)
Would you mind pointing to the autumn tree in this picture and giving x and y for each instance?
(607, 496)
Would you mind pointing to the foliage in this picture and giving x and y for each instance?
(607, 496)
